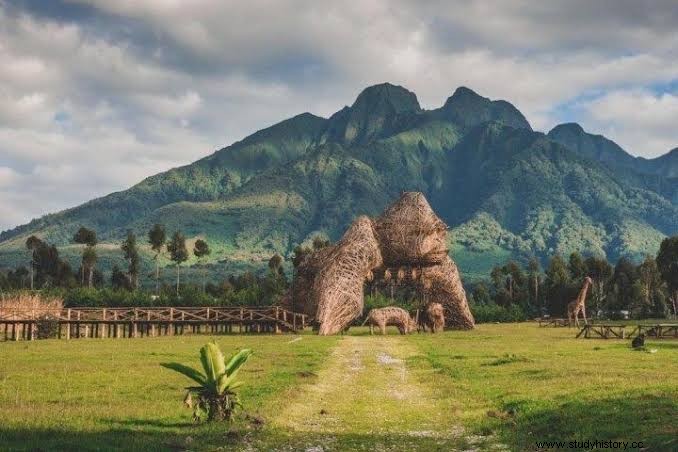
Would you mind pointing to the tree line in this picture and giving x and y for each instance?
(645, 290)
(87, 285)
(48, 270)
(514, 291)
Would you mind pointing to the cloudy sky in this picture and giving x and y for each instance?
(97, 94)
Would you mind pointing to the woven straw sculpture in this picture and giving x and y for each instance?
(390, 315)
(338, 286)
(435, 317)
(407, 241)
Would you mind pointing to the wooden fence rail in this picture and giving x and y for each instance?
(553, 322)
(25, 324)
(660, 331)
(613, 331)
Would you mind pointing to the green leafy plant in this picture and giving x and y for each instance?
(214, 398)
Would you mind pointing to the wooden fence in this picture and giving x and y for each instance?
(613, 331)
(660, 331)
(602, 331)
(553, 322)
(26, 324)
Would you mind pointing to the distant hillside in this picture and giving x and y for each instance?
(507, 191)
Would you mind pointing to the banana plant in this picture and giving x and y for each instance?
(214, 398)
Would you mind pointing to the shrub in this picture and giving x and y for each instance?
(215, 396)
(46, 328)
(484, 313)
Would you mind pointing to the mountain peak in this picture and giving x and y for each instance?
(377, 111)
(567, 127)
(464, 92)
(595, 147)
(386, 98)
(468, 108)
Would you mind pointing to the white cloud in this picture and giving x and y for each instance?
(642, 122)
(8, 176)
(170, 107)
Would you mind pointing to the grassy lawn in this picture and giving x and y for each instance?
(112, 394)
(497, 387)
(525, 384)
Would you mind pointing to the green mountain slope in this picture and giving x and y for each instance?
(550, 199)
(597, 147)
(209, 179)
(506, 190)
(659, 174)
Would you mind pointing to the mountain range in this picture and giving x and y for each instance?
(505, 190)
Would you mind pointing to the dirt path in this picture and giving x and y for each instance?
(365, 398)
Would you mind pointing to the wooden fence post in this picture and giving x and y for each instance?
(68, 325)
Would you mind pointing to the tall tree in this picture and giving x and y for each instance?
(157, 237)
(558, 284)
(88, 238)
(201, 250)
(577, 267)
(623, 280)
(131, 253)
(32, 244)
(298, 258)
(119, 279)
(667, 261)
(178, 252)
(510, 284)
(18, 277)
(275, 263)
(652, 299)
(275, 284)
(600, 270)
(502, 295)
(89, 261)
(534, 275)
(481, 295)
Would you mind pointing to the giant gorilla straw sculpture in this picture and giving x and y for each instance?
(407, 240)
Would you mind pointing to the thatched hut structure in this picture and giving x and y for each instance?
(406, 244)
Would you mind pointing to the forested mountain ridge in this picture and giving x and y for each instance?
(506, 190)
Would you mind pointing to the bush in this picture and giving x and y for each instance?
(214, 398)
(484, 313)
(381, 301)
(46, 328)
(86, 297)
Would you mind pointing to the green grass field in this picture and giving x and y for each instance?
(499, 387)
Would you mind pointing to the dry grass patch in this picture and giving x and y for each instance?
(17, 305)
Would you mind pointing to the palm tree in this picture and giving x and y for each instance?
(215, 393)
(32, 244)
(129, 247)
(89, 261)
(88, 238)
(157, 237)
(200, 250)
(178, 252)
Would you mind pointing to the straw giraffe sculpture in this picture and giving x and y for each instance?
(578, 305)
